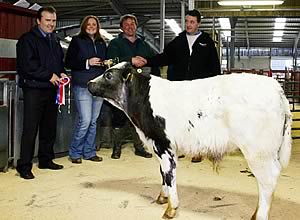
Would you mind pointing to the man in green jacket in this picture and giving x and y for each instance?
(130, 47)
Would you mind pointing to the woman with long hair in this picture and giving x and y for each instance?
(85, 54)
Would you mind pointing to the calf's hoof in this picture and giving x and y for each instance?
(254, 215)
(161, 199)
(169, 213)
(197, 159)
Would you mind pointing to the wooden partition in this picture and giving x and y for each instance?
(14, 21)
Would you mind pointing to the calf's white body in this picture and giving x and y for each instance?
(210, 116)
(238, 111)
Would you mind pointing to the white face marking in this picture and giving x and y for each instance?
(123, 97)
(119, 65)
(97, 78)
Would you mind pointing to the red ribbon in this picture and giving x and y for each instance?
(60, 97)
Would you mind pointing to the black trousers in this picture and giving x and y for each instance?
(39, 115)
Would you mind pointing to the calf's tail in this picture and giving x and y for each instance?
(285, 149)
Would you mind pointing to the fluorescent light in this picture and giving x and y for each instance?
(279, 23)
(277, 39)
(225, 24)
(254, 2)
(280, 20)
(35, 7)
(278, 26)
(278, 33)
(173, 25)
(22, 3)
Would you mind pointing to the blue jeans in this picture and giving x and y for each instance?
(83, 143)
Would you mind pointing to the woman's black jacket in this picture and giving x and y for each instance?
(80, 50)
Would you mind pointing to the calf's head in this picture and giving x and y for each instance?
(112, 85)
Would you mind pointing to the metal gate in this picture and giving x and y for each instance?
(6, 88)
(65, 124)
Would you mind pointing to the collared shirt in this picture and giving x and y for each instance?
(43, 32)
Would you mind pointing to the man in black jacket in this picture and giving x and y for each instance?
(40, 68)
(191, 55)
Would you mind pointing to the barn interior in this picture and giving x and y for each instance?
(258, 39)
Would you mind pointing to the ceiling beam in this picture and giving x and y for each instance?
(81, 9)
(118, 7)
(296, 44)
(247, 35)
(284, 12)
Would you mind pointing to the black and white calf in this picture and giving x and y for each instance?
(210, 116)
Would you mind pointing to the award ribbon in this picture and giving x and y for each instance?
(60, 96)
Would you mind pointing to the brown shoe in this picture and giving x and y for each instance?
(197, 159)
(77, 160)
(96, 159)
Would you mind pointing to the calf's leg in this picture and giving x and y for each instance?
(163, 195)
(169, 190)
(266, 171)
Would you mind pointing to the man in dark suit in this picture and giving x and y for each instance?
(40, 68)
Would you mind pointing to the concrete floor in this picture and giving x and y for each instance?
(127, 188)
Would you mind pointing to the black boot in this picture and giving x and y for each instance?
(116, 154)
(140, 151)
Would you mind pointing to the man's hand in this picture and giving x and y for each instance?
(94, 61)
(63, 75)
(54, 79)
(138, 61)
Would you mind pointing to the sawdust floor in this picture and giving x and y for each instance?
(126, 189)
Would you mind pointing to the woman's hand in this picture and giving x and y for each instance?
(94, 61)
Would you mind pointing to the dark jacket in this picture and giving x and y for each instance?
(80, 50)
(202, 63)
(122, 48)
(37, 61)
